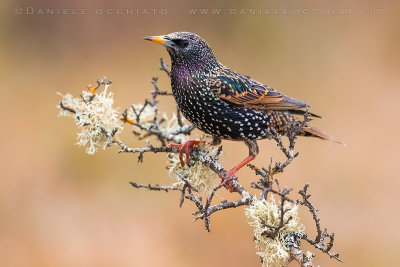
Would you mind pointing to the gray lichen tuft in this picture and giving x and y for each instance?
(92, 114)
(264, 216)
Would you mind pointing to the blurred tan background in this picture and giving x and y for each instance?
(62, 207)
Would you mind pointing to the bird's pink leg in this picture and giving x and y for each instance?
(233, 171)
(186, 148)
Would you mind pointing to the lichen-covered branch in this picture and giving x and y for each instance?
(272, 211)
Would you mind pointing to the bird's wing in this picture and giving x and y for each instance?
(241, 90)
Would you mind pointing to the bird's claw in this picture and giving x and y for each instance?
(230, 176)
(186, 148)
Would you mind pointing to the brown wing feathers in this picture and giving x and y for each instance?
(242, 90)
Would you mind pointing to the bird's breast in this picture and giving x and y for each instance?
(213, 116)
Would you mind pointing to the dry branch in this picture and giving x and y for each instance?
(267, 185)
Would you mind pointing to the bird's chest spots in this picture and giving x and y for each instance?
(195, 104)
(215, 117)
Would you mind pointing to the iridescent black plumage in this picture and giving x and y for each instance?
(222, 102)
(219, 101)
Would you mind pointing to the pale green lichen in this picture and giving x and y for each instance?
(92, 114)
(200, 176)
(309, 256)
(172, 125)
(263, 213)
(146, 117)
(197, 174)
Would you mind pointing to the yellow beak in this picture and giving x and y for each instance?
(159, 39)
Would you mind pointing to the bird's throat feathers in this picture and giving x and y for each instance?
(189, 65)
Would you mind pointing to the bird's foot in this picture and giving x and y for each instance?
(230, 176)
(186, 148)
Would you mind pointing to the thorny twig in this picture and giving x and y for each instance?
(164, 67)
(267, 184)
(319, 241)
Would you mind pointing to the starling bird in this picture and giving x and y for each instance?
(224, 103)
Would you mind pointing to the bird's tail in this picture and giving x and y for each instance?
(312, 131)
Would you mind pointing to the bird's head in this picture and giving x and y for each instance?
(186, 48)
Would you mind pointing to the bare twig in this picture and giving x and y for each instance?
(164, 67)
(319, 241)
(155, 187)
(67, 108)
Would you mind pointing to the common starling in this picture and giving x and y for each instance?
(224, 103)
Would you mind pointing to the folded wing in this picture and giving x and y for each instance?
(237, 89)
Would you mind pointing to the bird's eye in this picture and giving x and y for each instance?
(181, 43)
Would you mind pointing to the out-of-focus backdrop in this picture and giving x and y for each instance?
(62, 207)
